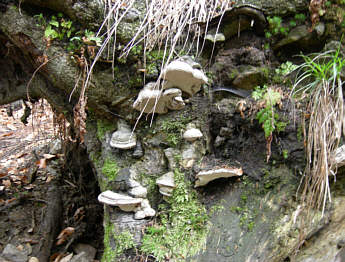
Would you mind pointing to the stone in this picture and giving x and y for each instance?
(152, 100)
(191, 152)
(32, 259)
(123, 137)
(67, 258)
(139, 151)
(89, 250)
(204, 177)
(170, 154)
(184, 74)
(192, 133)
(125, 203)
(249, 77)
(166, 184)
(138, 192)
(12, 254)
(81, 257)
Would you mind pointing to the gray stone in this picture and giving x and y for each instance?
(89, 250)
(170, 154)
(12, 254)
(81, 257)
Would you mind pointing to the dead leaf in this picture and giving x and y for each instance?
(7, 134)
(64, 235)
(42, 163)
(6, 183)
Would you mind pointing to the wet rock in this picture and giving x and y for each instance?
(89, 250)
(191, 153)
(300, 38)
(192, 133)
(81, 257)
(166, 184)
(219, 141)
(171, 154)
(184, 74)
(204, 177)
(123, 137)
(150, 100)
(241, 67)
(12, 254)
(139, 151)
(249, 77)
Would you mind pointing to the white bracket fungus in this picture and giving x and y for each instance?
(204, 177)
(192, 133)
(125, 203)
(166, 184)
(184, 74)
(152, 100)
(123, 138)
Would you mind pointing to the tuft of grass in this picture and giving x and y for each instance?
(320, 82)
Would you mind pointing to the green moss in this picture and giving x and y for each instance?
(108, 254)
(183, 221)
(102, 127)
(110, 169)
(172, 129)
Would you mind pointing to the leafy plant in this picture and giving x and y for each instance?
(286, 68)
(110, 169)
(275, 27)
(58, 28)
(267, 115)
(319, 80)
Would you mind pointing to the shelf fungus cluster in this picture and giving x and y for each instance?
(204, 177)
(180, 76)
(140, 206)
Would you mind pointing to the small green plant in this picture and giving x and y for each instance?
(103, 127)
(182, 222)
(276, 27)
(267, 116)
(110, 169)
(58, 28)
(123, 242)
(300, 17)
(173, 128)
(285, 153)
(286, 68)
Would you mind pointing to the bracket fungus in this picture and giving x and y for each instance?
(150, 99)
(140, 206)
(204, 177)
(123, 138)
(184, 74)
(166, 184)
(125, 203)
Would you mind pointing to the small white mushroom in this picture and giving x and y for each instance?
(184, 74)
(204, 177)
(166, 184)
(219, 37)
(152, 100)
(123, 137)
(145, 210)
(192, 133)
(125, 203)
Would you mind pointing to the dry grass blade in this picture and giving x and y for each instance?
(326, 123)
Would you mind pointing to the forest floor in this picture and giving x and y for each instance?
(25, 178)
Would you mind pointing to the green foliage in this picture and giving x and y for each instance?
(57, 27)
(123, 242)
(285, 153)
(276, 27)
(286, 68)
(108, 253)
(103, 127)
(173, 128)
(300, 17)
(110, 169)
(267, 115)
(182, 229)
